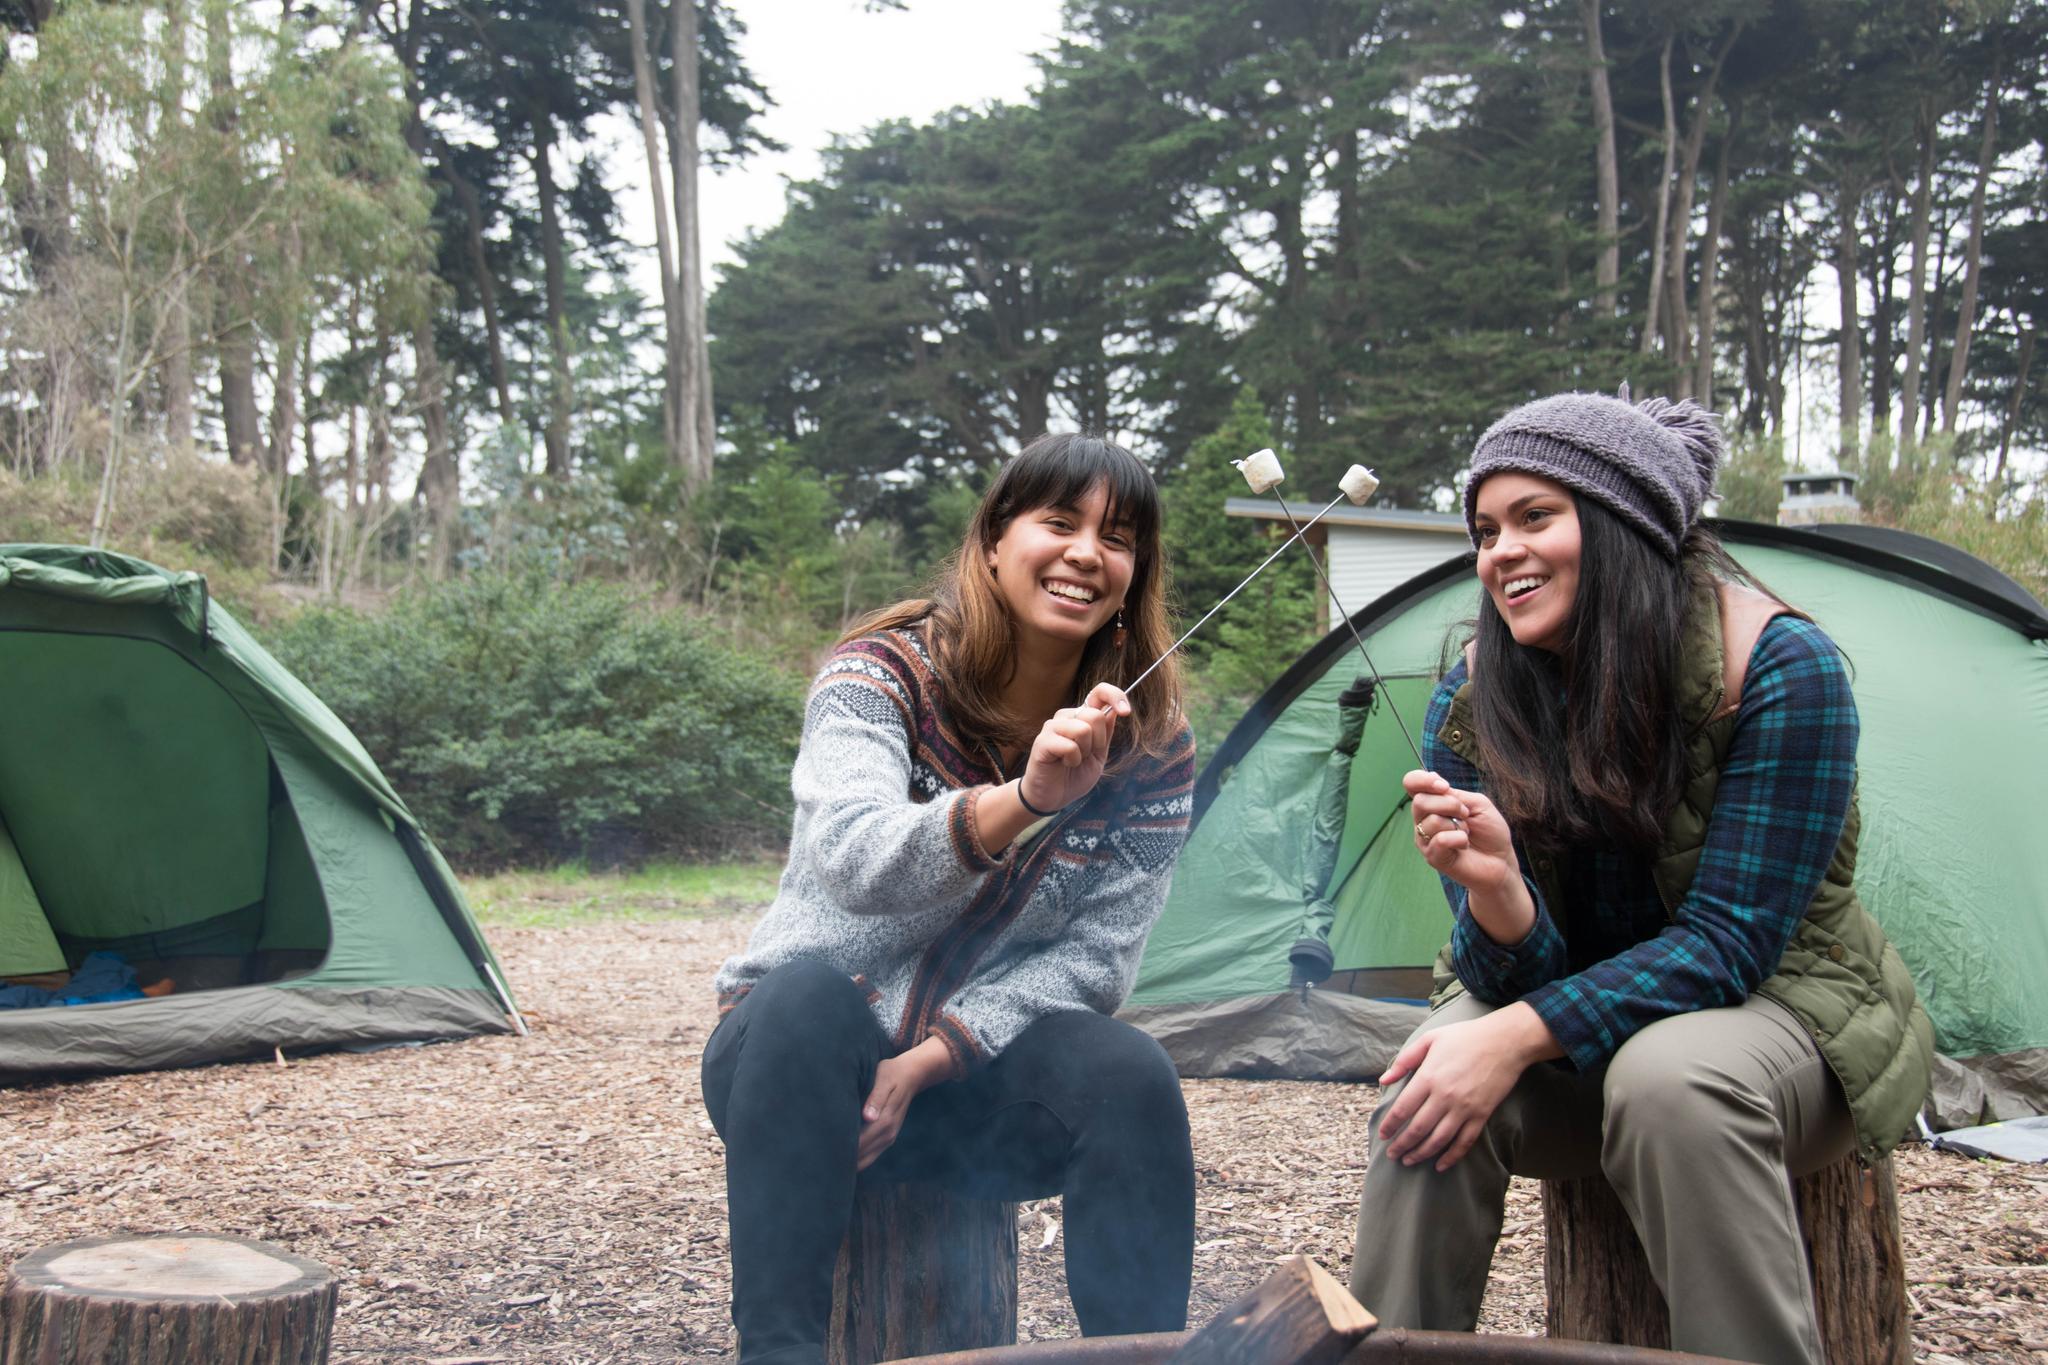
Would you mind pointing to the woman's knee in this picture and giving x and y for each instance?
(1098, 1066)
(1662, 1087)
(809, 1006)
(816, 993)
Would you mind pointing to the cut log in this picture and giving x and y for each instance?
(1600, 1287)
(166, 1299)
(922, 1271)
(1594, 1271)
(1297, 1315)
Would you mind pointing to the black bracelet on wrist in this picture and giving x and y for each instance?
(1025, 802)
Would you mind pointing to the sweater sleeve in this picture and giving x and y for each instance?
(1495, 973)
(1784, 795)
(877, 849)
(1113, 902)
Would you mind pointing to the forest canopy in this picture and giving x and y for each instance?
(340, 296)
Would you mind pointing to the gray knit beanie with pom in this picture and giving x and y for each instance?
(1650, 463)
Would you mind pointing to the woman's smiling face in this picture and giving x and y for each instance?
(1063, 570)
(1529, 556)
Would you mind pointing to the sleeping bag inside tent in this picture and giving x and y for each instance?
(1949, 664)
(195, 848)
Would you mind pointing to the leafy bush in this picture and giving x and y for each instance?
(527, 721)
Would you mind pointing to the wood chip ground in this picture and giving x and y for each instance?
(560, 1198)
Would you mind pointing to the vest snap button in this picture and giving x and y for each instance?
(1457, 735)
(1835, 952)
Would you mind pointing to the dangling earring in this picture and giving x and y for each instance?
(1117, 639)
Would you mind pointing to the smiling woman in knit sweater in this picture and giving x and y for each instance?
(985, 826)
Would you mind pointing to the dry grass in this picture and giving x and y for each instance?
(560, 1198)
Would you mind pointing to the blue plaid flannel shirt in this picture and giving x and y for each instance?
(1610, 962)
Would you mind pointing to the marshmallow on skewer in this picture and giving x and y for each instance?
(1358, 484)
(1261, 469)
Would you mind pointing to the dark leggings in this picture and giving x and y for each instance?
(1079, 1105)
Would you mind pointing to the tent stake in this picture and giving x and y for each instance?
(505, 997)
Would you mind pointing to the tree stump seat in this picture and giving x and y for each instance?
(166, 1299)
(1600, 1288)
(922, 1271)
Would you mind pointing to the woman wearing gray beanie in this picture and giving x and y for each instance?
(1640, 796)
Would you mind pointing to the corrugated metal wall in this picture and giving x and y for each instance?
(1366, 561)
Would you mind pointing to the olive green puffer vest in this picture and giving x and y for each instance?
(1839, 974)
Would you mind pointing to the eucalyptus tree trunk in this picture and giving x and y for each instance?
(1916, 289)
(485, 281)
(1607, 266)
(439, 486)
(2017, 401)
(284, 417)
(179, 421)
(177, 368)
(440, 474)
(1710, 262)
(675, 338)
(1849, 354)
(235, 325)
(1679, 325)
(1656, 291)
(1883, 266)
(1973, 259)
(1306, 391)
(698, 422)
(561, 392)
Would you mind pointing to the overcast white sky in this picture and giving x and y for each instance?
(832, 67)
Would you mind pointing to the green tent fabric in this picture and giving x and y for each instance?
(28, 946)
(168, 792)
(1950, 669)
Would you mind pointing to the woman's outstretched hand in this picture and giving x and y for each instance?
(1068, 756)
(1461, 834)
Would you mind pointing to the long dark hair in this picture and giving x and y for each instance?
(973, 641)
(1588, 745)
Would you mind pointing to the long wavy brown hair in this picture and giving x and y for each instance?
(973, 640)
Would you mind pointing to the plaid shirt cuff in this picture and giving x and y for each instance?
(1502, 973)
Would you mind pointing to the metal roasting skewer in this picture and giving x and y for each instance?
(1343, 611)
(1299, 531)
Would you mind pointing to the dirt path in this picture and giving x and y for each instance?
(560, 1198)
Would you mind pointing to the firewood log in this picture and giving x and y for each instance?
(1297, 1315)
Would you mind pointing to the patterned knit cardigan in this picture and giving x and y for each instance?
(888, 881)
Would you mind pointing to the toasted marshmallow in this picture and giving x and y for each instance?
(1358, 484)
(1261, 469)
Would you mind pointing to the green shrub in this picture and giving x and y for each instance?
(526, 721)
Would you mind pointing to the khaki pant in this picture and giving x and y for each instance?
(1699, 1122)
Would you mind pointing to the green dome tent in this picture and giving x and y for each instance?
(170, 794)
(1950, 666)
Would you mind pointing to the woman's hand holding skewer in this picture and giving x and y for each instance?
(1066, 761)
(1464, 836)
